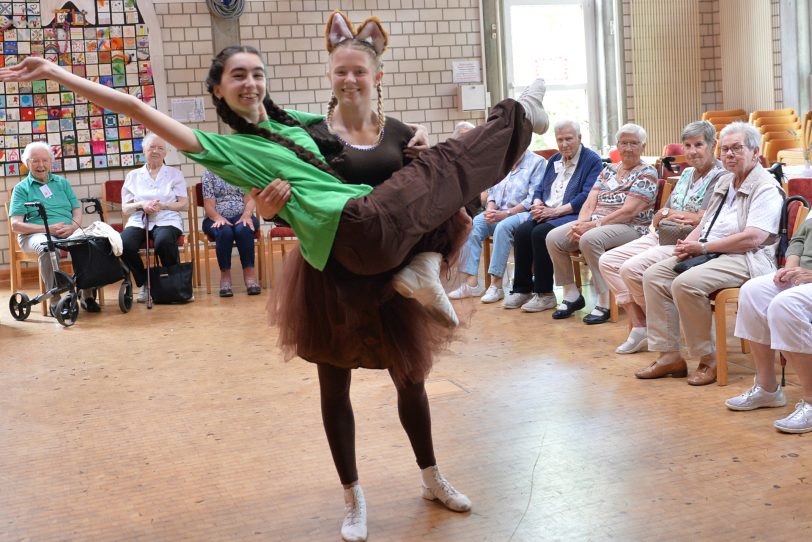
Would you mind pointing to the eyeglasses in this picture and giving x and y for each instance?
(736, 149)
(628, 144)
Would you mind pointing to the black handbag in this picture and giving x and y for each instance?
(172, 284)
(685, 265)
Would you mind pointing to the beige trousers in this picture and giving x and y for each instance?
(673, 299)
(592, 245)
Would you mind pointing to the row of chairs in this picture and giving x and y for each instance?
(784, 135)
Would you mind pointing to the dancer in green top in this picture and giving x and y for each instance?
(367, 231)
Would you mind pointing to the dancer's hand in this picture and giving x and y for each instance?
(32, 68)
(272, 198)
(418, 143)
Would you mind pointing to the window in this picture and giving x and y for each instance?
(547, 38)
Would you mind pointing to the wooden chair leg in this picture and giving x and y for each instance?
(270, 262)
(486, 259)
(614, 311)
(207, 265)
(721, 342)
(576, 270)
(745, 346)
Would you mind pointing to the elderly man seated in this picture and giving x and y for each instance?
(62, 209)
(507, 206)
(567, 182)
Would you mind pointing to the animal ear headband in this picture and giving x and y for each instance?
(339, 28)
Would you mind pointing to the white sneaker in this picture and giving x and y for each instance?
(436, 487)
(758, 397)
(493, 294)
(634, 343)
(799, 421)
(540, 303)
(515, 300)
(466, 290)
(531, 100)
(354, 526)
(420, 280)
(142, 295)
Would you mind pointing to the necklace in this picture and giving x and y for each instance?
(370, 147)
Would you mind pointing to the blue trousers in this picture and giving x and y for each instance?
(225, 237)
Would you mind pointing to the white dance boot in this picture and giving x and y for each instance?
(420, 280)
(354, 526)
(436, 487)
(531, 100)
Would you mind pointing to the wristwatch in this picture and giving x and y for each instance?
(665, 211)
(704, 248)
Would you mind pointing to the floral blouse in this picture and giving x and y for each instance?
(229, 200)
(640, 182)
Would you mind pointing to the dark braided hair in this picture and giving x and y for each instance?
(329, 146)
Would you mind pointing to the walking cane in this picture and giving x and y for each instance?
(149, 284)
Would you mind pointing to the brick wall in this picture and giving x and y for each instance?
(425, 37)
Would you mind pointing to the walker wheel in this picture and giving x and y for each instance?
(67, 310)
(19, 306)
(125, 297)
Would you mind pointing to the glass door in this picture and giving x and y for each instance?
(547, 38)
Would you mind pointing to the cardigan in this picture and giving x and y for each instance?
(580, 184)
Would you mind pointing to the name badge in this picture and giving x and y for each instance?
(612, 184)
(46, 191)
(558, 166)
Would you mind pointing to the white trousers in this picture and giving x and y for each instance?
(779, 317)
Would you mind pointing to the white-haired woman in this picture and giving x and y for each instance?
(158, 193)
(618, 210)
(741, 226)
(623, 267)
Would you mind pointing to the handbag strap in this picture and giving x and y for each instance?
(715, 216)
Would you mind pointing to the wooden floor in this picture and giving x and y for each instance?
(182, 423)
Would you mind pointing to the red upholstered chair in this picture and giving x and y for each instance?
(282, 237)
(111, 210)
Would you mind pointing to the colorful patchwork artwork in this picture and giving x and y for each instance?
(110, 46)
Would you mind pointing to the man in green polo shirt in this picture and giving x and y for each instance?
(61, 206)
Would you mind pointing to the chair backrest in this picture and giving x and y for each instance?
(755, 115)
(614, 156)
(673, 149)
(724, 113)
(664, 189)
(111, 204)
(726, 120)
(547, 153)
(771, 148)
(791, 122)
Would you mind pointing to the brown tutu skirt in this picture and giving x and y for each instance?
(348, 321)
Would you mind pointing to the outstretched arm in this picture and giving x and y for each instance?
(170, 130)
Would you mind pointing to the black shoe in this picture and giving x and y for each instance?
(572, 306)
(592, 319)
(254, 289)
(90, 305)
(226, 292)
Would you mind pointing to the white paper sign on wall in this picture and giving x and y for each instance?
(466, 71)
(188, 109)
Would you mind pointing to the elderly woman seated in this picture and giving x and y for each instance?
(567, 181)
(775, 313)
(618, 210)
(623, 267)
(741, 227)
(154, 193)
(230, 219)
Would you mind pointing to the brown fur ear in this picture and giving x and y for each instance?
(338, 29)
(372, 32)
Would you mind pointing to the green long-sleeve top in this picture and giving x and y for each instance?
(317, 198)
